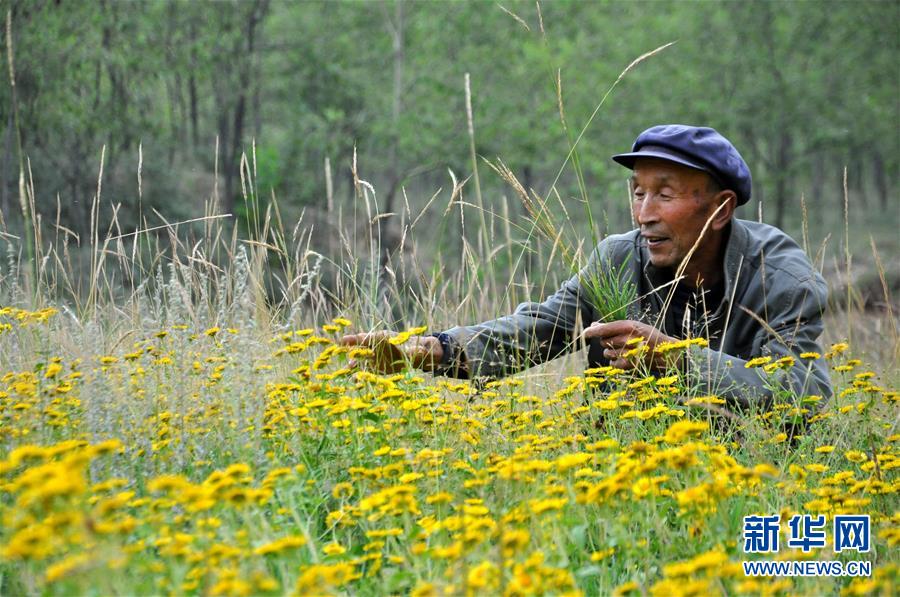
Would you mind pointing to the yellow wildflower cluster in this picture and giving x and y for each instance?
(23, 317)
(207, 460)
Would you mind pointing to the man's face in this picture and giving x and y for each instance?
(671, 203)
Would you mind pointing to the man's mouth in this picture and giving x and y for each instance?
(654, 241)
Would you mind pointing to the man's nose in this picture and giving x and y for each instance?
(644, 211)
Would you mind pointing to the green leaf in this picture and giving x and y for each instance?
(578, 535)
(587, 571)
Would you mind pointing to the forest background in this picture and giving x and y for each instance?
(126, 118)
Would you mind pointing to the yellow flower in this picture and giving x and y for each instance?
(758, 361)
(342, 490)
(439, 498)
(786, 362)
(65, 566)
(168, 483)
(399, 338)
(52, 371)
(285, 543)
(513, 541)
(314, 578)
(32, 542)
(643, 487)
(382, 533)
(424, 589)
(855, 456)
(483, 577)
(681, 430)
(402, 337)
(635, 352)
(669, 586)
(625, 588)
(567, 462)
(839, 347)
(704, 400)
(645, 415)
(50, 480)
(701, 498)
(107, 447)
(538, 506)
(451, 552)
(334, 549)
(232, 586)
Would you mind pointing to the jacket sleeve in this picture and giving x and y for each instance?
(795, 324)
(532, 334)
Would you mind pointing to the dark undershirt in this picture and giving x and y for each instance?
(688, 297)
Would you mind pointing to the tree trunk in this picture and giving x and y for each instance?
(227, 203)
(233, 164)
(390, 237)
(527, 178)
(257, 100)
(817, 177)
(881, 184)
(784, 170)
(857, 179)
(173, 123)
(182, 110)
(192, 86)
(7, 163)
(118, 104)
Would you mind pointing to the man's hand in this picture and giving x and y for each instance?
(615, 337)
(419, 352)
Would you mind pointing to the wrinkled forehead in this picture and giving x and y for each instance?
(660, 171)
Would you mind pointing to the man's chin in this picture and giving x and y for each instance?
(661, 261)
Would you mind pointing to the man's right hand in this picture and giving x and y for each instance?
(419, 352)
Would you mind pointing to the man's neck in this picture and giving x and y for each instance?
(706, 265)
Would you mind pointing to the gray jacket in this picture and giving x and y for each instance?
(766, 273)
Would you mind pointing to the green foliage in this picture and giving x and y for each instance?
(611, 292)
(803, 89)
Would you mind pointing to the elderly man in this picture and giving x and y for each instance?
(746, 287)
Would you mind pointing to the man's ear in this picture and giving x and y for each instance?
(725, 202)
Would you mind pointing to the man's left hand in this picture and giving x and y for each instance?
(614, 338)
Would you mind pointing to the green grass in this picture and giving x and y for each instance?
(535, 481)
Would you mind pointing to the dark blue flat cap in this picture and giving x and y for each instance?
(698, 147)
